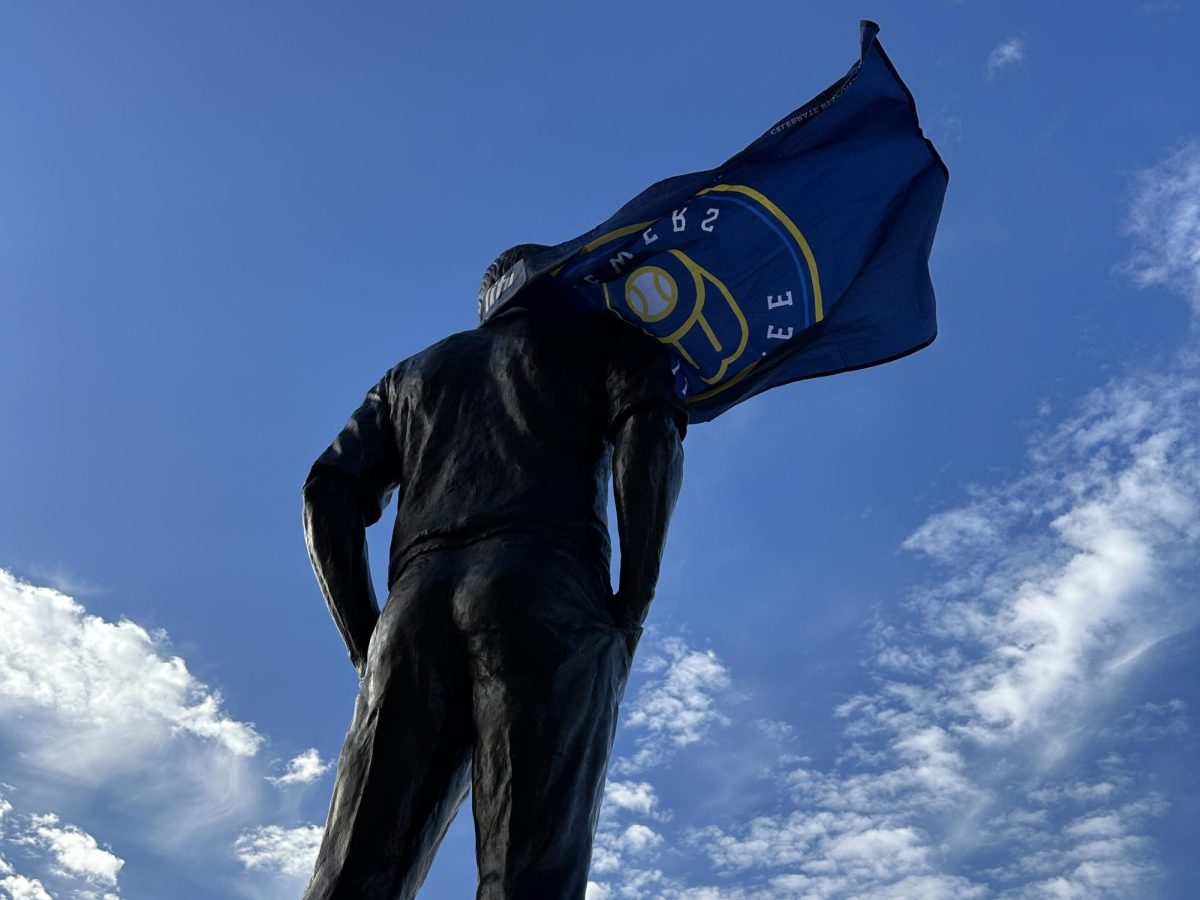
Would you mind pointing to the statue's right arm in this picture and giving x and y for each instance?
(647, 474)
(346, 491)
(647, 424)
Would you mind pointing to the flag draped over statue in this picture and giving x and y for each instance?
(805, 254)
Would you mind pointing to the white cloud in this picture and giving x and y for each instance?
(13, 886)
(111, 678)
(1005, 55)
(638, 838)
(304, 768)
(63, 852)
(676, 707)
(1164, 223)
(18, 887)
(632, 884)
(1035, 630)
(272, 848)
(98, 716)
(947, 534)
(74, 850)
(615, 848)
(624, 850)
(85, 701)
(631, 796)
(1096, 855)
(1153, 721)
(1072, 595)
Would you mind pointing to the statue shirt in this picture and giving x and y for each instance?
(508, 427)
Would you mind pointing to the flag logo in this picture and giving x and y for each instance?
(672, 278)
(806, 254)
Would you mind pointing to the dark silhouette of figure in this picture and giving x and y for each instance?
(501, 655)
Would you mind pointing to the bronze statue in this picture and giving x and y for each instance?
(501, 655)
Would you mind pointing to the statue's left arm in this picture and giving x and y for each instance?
(346, 491)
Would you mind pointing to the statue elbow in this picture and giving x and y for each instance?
(320, 489)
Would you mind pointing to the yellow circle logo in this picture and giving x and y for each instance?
(651, 293)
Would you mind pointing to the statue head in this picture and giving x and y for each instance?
(499, 271)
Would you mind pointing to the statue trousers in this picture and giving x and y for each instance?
(495, 666)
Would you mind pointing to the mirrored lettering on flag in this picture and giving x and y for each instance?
(721, 280)
(805, 254)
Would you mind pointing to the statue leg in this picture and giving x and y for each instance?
(549, 669)
(404, 768)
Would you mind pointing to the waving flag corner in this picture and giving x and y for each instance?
(806, 254)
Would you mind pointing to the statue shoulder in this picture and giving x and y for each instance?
(458, 350)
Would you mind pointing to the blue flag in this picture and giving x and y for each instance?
(806, 254)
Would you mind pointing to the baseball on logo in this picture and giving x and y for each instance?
(651, 293)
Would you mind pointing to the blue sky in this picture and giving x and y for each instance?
(926, 630)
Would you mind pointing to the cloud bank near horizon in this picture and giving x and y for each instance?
(99, 717)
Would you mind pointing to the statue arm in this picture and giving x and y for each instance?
(346, 491)
(337, 547)
(647, 474)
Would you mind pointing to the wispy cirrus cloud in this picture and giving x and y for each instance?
(1005, 55)
(1003, 673)
(1164, 224)
(1017, 655)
